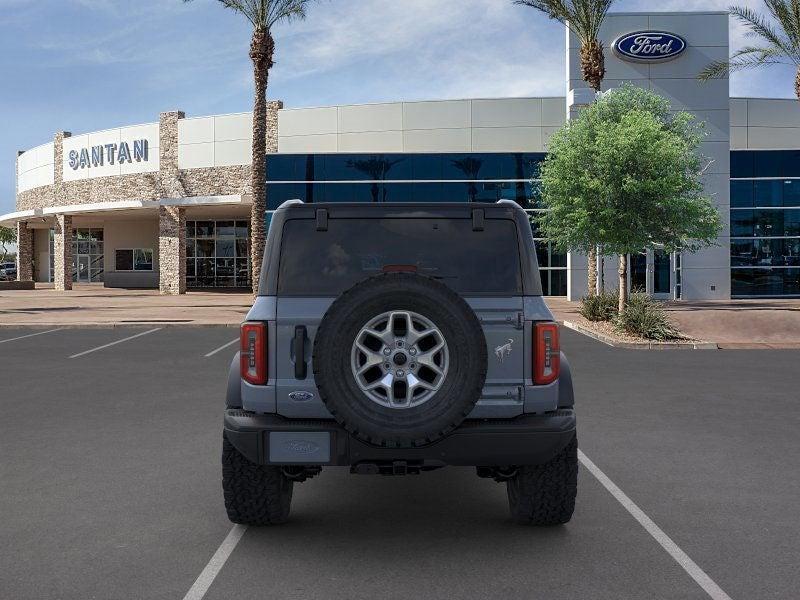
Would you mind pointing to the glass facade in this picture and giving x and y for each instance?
(447, 177)
(765, 223)
(217, 254)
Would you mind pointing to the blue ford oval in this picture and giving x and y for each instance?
(649, 46)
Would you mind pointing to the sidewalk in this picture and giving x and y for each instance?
(731, 324)
(91, 305)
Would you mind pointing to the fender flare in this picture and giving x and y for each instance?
(566, 395)
(233, 395)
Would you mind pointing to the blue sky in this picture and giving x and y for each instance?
(84, 65)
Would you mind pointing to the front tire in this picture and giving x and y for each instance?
(254, 494)
(545, 494)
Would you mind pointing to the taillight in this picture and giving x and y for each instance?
(546, 353)
(253, 353)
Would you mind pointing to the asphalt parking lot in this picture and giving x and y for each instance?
(109, 484)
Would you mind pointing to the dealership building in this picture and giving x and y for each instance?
(167, 204)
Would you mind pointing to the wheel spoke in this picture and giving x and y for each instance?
(373, 360)
(384, 336)
(414, 383)
(400, 316)
(414, 336)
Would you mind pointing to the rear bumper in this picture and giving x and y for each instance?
(526, 440)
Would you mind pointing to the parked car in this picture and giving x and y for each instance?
(8, 271)
(396, 339)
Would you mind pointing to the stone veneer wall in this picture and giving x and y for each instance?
(169, 182)
(24, 252)
(62, 251)
(172, 250)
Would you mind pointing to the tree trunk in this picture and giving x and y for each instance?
(601, 275)
(593, 64)
(797, 84)
(623, 282)
(593, 70)
(262, 49)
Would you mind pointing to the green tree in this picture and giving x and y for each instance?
(778, 37)
(584, 19)
(626, 174)
(7, 236)
(263, 15)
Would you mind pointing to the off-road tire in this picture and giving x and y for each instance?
(545, 494)
(254, 494)
(390, 427)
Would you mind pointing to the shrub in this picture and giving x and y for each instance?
(645, 318)
(602, 307)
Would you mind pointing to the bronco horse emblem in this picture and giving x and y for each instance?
(505, 350)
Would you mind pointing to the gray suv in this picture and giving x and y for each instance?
(395, 339)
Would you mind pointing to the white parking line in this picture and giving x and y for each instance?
(22, 337)
(214, 566)
(213, 352)
(115, 343)
(688, 565)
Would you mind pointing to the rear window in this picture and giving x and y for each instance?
(326, 263)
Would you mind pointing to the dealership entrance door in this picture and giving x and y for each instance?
(652, 272)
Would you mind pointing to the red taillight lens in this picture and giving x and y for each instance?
(546, 353)
(253, 353)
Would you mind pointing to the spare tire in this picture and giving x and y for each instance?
(400, 360)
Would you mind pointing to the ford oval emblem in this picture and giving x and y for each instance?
(301, 446)
(649, 46)
(301, 396)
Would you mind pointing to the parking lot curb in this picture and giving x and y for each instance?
(640, 345)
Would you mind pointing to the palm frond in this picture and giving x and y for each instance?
(759, 26)
(745, 58)
(583, 17)
(784, 13)
(263, 14)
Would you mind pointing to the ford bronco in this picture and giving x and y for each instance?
(396, 339)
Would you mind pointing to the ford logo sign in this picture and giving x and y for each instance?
(301, 396)
(301, 446)
(649, 46)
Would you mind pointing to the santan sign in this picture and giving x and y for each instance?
(649, 46)
(97, 156)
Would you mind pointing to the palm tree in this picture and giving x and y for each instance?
(263, 15)
(584, 19)
(780, 41)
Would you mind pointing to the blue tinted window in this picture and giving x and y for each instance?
(468, 166)
(281, 167)
(741, 194)
(768, 164)
(278, 193)
(768, 193)
(742, 223)
(397, 192)
(426, 192)
(426, 166)
(791, 192)
(742, 164)
(765, 282)
(790, 165)
(791, 222)
(765, 253)
(366, 167)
